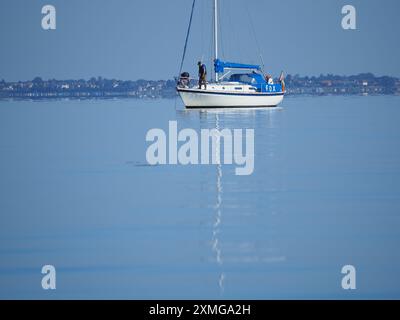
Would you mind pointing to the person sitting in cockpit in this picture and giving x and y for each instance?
(269, 79)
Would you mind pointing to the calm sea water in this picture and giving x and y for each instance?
(76, 193)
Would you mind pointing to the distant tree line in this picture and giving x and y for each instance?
(365, 83)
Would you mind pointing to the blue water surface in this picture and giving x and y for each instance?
(76, 192)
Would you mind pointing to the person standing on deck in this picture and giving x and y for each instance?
(202, 75)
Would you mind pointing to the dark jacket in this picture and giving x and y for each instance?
(202, 70)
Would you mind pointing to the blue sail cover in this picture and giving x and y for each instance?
(253, 78)
(220, 66)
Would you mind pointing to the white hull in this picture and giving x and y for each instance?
(195, 98)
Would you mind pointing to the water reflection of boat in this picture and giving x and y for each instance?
(216, 245)
(241, 230)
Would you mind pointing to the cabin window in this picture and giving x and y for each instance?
(245, 78)
(238, 88)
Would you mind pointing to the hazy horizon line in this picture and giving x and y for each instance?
(142, 79)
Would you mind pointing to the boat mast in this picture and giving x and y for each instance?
(216, 35)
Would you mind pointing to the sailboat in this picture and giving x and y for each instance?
(235, 85)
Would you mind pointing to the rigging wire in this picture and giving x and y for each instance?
(202, 32)
(235, 46)
(212, 40)
(187, 37)
(221, 37)
(255, 38)
(230, 28)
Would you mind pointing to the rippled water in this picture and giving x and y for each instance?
(76, 192)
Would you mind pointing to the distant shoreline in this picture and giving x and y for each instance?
(99, 88)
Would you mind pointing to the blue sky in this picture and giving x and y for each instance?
(132, 39)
